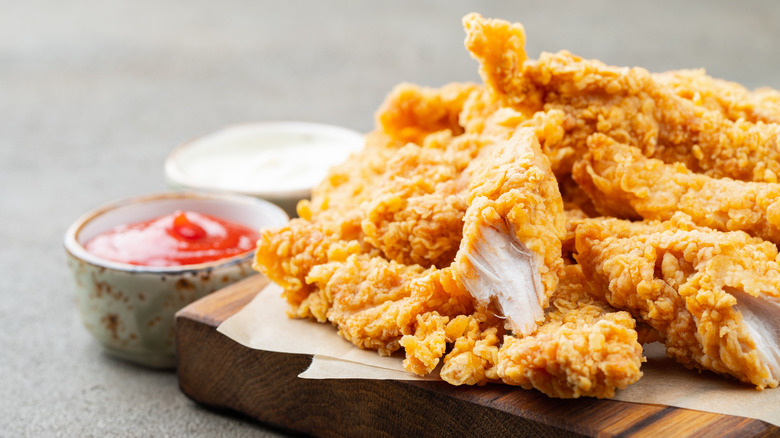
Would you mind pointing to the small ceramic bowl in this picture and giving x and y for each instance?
(277, 161)
(129, 308)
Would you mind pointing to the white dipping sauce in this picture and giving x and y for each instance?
(274, 160)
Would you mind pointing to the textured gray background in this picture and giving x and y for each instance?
(95, 94)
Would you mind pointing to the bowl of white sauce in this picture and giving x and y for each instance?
(277, 161)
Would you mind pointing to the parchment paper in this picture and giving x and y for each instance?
(263, 325)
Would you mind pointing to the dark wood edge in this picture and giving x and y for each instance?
(220, 373)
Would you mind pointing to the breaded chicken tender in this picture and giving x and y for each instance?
(624, 183)
(511, 249)
(584, 347)
(712, 296)
(626, 104)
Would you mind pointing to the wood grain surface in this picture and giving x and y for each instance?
(220, 373)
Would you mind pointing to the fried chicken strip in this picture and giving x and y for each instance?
(511, 247)
(712, 296)
(583, 348)
(626, 104)
(624, 183)
(509, 259)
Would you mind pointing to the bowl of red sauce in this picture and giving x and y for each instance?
(137, 261)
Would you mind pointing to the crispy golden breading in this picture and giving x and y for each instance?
(624, 183)
(416, 216)
(287, 254)
(511, 247)
(475, 339)
(584, 348)
(710, 295)
(732, 99)
(375, 302)
(626, 104)
(410, 113)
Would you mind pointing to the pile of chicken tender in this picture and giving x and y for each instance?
(539, 228)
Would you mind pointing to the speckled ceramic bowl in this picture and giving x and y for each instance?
(129, 308)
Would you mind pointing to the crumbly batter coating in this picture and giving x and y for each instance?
(730, 98)
(584, 348)
(709, 294)
(624, 183)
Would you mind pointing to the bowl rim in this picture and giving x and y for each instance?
(178, 178)
(78, 251)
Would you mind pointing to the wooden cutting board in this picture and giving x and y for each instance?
(220, 373)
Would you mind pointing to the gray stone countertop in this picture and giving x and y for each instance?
(95, 94)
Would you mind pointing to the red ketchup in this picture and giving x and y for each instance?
(181, 238)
